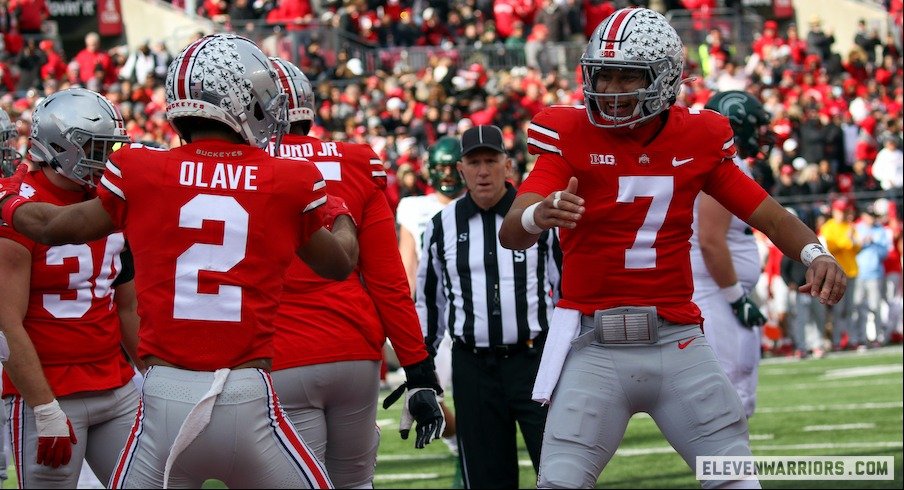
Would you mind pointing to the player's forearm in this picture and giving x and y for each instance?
(58, 225)
(512, 234)
(787, 232)
(717, 257)
(345, 232)
(24, 366)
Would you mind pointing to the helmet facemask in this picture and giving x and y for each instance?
(632, 39)
(442, 166)
(9, 156)
(446, 179)
(74, 131)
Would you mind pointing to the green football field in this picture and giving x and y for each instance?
(847, 404)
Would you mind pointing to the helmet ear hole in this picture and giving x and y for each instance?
(258, 111)
(57, 148)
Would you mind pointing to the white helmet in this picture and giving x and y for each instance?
(633, 38)
(298, 88)
(227, 78)
(8, 153)
(74, 131)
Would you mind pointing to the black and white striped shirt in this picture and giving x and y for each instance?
(486, 295)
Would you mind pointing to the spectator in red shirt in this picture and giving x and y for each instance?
(768, 38)
(31, 14)
(292, 13)
(91, 57)
(55, 67)
(796, 46)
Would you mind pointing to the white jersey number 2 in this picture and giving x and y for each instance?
(642, 255)
(226, 304)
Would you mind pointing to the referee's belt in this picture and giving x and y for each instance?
(502, 351)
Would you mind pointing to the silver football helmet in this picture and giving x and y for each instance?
(633, 38)
(9, 156)
(227, 78)
(298, 88)
(74, 131)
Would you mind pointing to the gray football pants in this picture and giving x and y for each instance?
(334, 408)
(247, 443)
(101, 421)
(601, 387)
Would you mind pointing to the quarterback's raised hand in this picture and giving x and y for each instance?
(560, 209)
(421, 404)
(55, 435)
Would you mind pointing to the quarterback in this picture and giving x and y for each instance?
(619, 176)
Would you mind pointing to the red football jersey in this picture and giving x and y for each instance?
(212, 227)
(631, 247)
(71, 318)
(321, 320)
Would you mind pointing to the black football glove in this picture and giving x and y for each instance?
(421, 404)
(747, 312)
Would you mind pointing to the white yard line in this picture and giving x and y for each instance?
(857, 372)
(833, 407)
(832, 428)
(836, 385)
(405, 476)
(762, 437)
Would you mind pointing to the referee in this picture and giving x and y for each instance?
(497, 304)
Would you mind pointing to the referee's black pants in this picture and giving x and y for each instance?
(492, 393)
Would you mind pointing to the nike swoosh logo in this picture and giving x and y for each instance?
(682, 345)
(677, 163)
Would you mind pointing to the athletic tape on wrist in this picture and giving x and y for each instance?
(732, 293)
(811, 251)
(527, 220)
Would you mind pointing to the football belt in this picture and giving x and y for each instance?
(630, 325)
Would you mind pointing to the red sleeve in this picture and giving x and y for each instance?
(386, 282)
(111, 190)
(547, 139)
(316, 197)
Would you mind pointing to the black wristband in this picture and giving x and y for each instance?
(422, 375)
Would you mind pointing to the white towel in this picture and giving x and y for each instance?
(195, 422)
(564, 327)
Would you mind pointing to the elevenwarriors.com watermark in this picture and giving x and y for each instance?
(795, 467)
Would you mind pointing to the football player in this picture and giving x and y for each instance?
(330, 334)
(725, 259)
(619, 176)
(67, 384)
(212, 226)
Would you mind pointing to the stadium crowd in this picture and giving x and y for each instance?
(836, 117)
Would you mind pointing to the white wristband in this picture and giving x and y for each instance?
(50, 420)
(811, 251)
(732, 293)
(527, 220)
